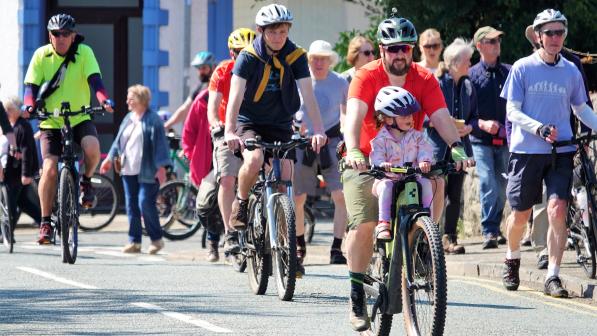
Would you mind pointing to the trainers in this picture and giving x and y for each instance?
(301, 253)
(231, 243)
(451, 245)
(238, 217)
(490, 242)
(45, 234)
(383, 231)
(511, 278)
(212, 254)
(336, 257)
(87, 197)
(501, 239)
(155, 246)
(132, 248)
(358, 317)
(553, 287)
(542, 262)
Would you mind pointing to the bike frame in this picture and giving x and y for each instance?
(274, 180)
(69, 158)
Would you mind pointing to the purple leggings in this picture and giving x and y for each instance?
(383, 190)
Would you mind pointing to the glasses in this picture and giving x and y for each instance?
(492, 41)
(58, 33)
(435, 46)
(394, 49)
(368, 52)
(554, 32)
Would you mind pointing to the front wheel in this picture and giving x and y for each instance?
(67, 215)
(6, 221)
(425, 299)
(284, 254)
(176, 209)
(259, 259)
(309, 224)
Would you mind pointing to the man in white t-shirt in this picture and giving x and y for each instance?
(540, 90)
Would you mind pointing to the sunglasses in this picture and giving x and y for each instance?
(405, 48)
(368, 52)
(58, 33)
(435, 46)
(554, 32)
(492, 41)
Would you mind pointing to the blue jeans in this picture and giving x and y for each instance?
(141, 199)
(492, 162)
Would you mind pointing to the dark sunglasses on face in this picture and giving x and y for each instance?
(492, 41)
(367, 52)
(405, 48)
(58, 33)
(435, 46)
(554, 32)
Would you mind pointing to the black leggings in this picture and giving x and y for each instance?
(453, 196)
(25, 198)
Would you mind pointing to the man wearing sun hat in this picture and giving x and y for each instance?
(330, 92)
(489, 136)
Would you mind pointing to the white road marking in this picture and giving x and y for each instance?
(182, 317)
(55, 277)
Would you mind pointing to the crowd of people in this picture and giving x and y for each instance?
(388, 110)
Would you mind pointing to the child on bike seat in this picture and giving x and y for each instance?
(397, 143)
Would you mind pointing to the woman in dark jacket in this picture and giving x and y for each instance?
(462, 102)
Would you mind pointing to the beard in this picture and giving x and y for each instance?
(399, 67)
(204, 78)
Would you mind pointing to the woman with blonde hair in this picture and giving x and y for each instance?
(140, 151)
(461, 100)
(360, 52)
(430, 45)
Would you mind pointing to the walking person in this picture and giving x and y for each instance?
(140, 151)
(430, 46)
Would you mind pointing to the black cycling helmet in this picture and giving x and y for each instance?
(61, 22)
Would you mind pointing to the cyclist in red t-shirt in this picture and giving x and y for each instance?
(397, 38)
(226, 165)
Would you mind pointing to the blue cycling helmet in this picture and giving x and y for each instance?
(393, 101)
(204, 58)
(164, 115)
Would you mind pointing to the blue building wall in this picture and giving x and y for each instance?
(219, 26)
(153, 57)
(30, 18)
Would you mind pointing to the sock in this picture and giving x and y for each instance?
(240, 199)
(46, 219)
(552, 270)
(356, 282)
(85, 178)
(337, 243)
(512, 254)
(300, 241)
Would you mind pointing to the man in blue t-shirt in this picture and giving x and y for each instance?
(264, 97)
(540, 89)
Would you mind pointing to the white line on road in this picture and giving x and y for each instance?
(55, 277)
(182, 317)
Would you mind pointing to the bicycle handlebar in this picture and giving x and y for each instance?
(302, 142)
(439, 168)
(585, 137)
(43, 114)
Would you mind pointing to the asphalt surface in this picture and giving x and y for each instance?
(178, 293)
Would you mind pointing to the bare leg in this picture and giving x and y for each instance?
(248, 173)
(515, 226)
(359, 244)
(47, 185)
(91, 150)
(556, 234)
(225, 198)
(340, 214)
(299, 213)
(438, 186)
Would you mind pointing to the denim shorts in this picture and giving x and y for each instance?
(527, 172)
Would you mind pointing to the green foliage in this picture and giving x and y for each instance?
(461, 18)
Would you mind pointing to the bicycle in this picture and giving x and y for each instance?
(105, 205)
(582, 232)
(408, 273)
(271, 230)
(65, 214)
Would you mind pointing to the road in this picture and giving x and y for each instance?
(177, 293)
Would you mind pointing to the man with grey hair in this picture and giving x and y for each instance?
(489, 136)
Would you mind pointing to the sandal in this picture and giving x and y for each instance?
(383, 231)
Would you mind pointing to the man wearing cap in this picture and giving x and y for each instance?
(330, 92)
(489, 136)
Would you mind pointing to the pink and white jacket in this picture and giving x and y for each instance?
(412, 147)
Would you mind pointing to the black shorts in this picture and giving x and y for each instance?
(51, 139)
(268, 134)
(527, 172)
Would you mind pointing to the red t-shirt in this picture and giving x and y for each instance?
(369, 79)
(220, 82)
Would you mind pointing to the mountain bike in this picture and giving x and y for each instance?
(408, 273)
(582, 231)
(271, 228)
(65, 213)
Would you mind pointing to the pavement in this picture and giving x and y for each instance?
(475, 263)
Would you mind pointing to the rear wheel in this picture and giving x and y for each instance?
(284, 255)
(176, 209)
(259, 259)
(381, 323)
(309, 224)
(424, 303)
(67, 215)
(582, 236)
(105, 206)
(6, 222)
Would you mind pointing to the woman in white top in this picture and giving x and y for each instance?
(431, 46)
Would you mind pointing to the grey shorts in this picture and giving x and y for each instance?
(305, 177)
(224, 161)
(527, 172)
